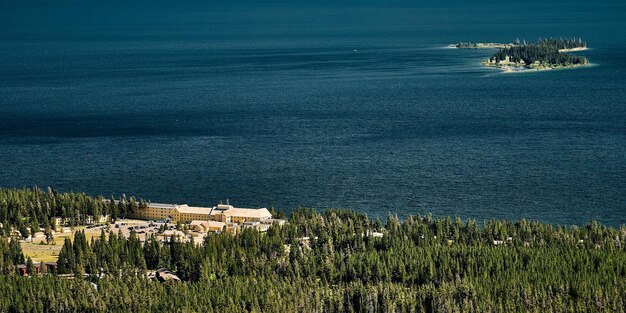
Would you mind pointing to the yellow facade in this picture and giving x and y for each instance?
(156, 211)
(186, 214)
(152, 213)
(184, 217)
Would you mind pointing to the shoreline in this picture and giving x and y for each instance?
(492, 45)
(525, 68)
(574, 49)
(482, 45)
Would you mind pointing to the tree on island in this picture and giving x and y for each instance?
(545, 51)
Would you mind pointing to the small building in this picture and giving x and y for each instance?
(168, 234)
(215, 226)
(212, 226)
(97, 219)
(375, 234)
(164, 275)
(21, 269)
(64, 221)
(271, 221)
(197, 226)
(233, 228)
(51, 267)
(256, 225)
(103, 218)
(57, 221)
(38, 269)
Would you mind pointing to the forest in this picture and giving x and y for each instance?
(31, 209)
(544, 51)
(561, 43)
(333, 261)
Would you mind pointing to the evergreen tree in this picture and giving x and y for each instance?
(30, 268)
(66, 263)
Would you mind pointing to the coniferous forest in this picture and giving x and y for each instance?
(545, 51)
(33, 208)
(330, 261)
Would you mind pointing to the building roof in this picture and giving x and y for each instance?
(232, 225)
(176, 233)
(223, 207)
(251, 213)
(193, 210)
(208, 224)
(215, 224)
(164, 205)
(164, 274)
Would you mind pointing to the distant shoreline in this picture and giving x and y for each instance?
(482, 45)
(526, 69)
(491, 45)
(510, 67)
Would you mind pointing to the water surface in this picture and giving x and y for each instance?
(356, 105)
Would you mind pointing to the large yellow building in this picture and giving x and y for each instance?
(185, 214)
(221, 213)
(157, 211)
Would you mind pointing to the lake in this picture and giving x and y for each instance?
(358, 104)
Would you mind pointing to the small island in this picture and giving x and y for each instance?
(545, 54)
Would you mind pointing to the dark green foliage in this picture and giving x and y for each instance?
(545, 51)
(34, 208)
(334, 262)
(530, 54)
(30, 268)
(10, 256)
(67, 261)
(561, 43)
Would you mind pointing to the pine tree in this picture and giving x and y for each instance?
(34, 226)
(66, 263)
(30, 268)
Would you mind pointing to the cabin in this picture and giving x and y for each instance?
(22, 269)
(51, 267)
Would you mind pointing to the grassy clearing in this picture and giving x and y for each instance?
(42, 253)
(50, 252)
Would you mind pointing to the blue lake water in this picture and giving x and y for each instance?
(354, 105)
